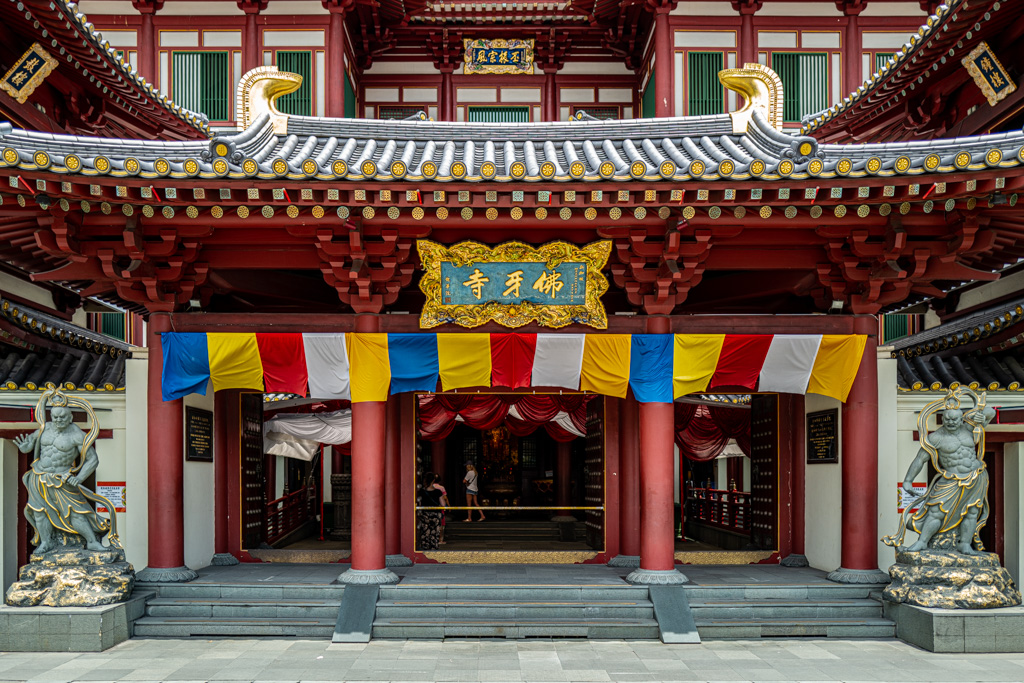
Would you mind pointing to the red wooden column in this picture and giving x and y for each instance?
(392, 484)
(221, 511)
(859, 556)
(629, 486)
(446, 112)
(748, 40)
(798, 468)
(663, 60)
(251, 57)
(851, 43)
(657, 529)
(165, 479)
(369, 435)
(563, 483)
(335, 106)
(550, 97)
(147, 41)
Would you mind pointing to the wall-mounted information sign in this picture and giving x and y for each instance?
(823, 436)
(198, 434)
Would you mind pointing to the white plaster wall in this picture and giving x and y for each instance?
(26, 290)
(199, 522)
(888, 458)
(136, 470)
(9, 513)
(823, 499)
(1013, 478)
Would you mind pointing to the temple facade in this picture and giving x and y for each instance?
(616, 265)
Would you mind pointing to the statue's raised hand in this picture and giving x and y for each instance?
(23, 442)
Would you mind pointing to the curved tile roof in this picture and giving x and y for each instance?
(669, 149)
(987, 372)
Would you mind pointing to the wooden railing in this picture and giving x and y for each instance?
(728, 510)
(286, 514)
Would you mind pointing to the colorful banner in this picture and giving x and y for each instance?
(659, 368)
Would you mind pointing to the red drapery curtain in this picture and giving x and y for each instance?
(486, 411)
(702, 432)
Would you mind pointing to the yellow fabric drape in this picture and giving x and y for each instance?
(234, 360)
(606, 364)
(694, 360)
(370, 366)
(836, 365)
(464, 360)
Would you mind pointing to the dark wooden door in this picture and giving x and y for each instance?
(254, 475)
(764, 470)
(594, 473)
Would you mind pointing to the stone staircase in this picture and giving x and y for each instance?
(777, 611)
(411, 611)
(240, 610)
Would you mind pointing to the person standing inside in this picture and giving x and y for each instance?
(432, 521)
(472, 489)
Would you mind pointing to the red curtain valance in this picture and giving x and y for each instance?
(702, 431)
(438, 413)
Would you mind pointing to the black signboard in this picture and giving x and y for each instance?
(198, 434)
(822, 436)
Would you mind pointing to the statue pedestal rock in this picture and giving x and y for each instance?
(72, 576)
(950, 580)
(70, 566)
(947, 566)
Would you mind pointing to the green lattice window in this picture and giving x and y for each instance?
(804, 83)
(350, 100)
(397, 112)
(200, 81)
(498, 114)
(112, 325)
(300, 102)
(705, 94)
(881, 58)
(648, 102)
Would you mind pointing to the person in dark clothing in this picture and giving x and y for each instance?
(431, 522)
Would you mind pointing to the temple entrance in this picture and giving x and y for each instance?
(539, 465)
(728, 476)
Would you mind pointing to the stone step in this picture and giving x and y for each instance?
(514, 611)
(183, 627)
(836, 591)
(727, 629)
(782, 609)
(518, 628)
(245, 591)
(249, 608)
(512, 593)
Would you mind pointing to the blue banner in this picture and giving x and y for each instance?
(512, 283)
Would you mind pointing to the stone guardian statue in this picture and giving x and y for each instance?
(947, 565)
(70, 565)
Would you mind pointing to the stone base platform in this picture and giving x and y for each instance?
(73, 577)
(945, 579)
(70, 629)
(958, 630)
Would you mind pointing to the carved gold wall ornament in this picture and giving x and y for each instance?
(988, 74)
(498, 56)
(22, 79)
(513, 284)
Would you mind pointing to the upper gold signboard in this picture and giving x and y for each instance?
(513, 284)
(498, 56)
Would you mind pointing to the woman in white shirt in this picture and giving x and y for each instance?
(472, 489)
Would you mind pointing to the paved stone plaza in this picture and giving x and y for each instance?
(487, 660)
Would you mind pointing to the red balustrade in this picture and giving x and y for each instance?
(728, 510)
(287, 513)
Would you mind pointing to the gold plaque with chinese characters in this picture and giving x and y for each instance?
(28, 72)
(498, 56)
(514, 284)
(988, 74)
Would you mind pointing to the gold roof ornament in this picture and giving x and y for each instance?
(257, 94)
(761, 88)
